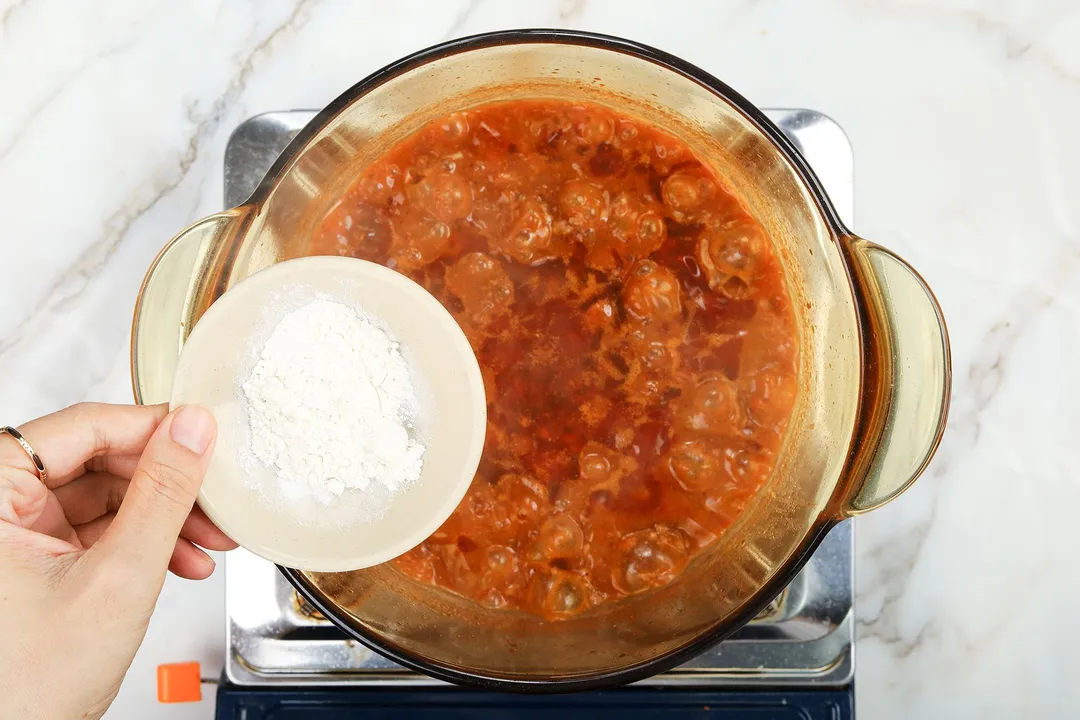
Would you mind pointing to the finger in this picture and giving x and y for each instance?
(66, 439)
(91, 496)
(90, 532)
(22, 497)
(187, 561)
(54, 523)
(119, 465)
(160, 495)
(191, 562)
(200, 530)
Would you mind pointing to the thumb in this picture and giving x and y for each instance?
(162, 491)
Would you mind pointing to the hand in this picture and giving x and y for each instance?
(83, 560)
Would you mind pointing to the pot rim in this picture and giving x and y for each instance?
(528, 36)
(677, 656)
(604, 680)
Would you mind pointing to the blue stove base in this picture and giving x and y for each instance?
(237, 703)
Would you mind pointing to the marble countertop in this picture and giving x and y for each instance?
(963, 115)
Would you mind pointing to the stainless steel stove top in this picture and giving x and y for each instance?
(805, 638)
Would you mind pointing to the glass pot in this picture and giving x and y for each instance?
(874, 370)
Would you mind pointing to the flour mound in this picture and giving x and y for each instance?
(329, 403)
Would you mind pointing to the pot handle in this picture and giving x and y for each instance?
(907, 377)
(164, 308)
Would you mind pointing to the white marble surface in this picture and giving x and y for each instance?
(964, 116)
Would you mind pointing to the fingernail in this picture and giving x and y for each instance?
(193, 427)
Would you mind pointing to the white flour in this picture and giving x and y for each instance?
(330, 402)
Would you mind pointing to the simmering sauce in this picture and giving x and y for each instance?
(636, 338)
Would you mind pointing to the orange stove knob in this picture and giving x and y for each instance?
(179, 682)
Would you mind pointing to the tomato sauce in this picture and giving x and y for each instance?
(636, 338)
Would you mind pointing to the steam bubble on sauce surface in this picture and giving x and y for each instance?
(632, 325)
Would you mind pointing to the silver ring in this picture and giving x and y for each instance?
(34, 457)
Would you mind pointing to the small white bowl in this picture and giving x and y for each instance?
(220, 351)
